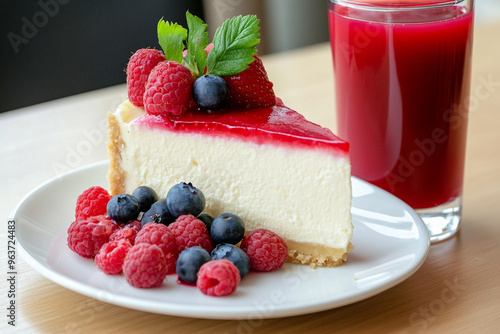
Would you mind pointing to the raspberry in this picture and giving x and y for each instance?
(218, 278)
(267, 250)
(145, 266)
(138, 69)
(190, 231)
(86, 236)
(109, 225)
(92, 202)
(169, 89)
(128, 232)
(111, 256)
(163, 237)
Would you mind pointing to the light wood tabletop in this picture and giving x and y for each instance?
(457, 289)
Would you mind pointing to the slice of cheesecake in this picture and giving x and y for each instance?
(270, 166)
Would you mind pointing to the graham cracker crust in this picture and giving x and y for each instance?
(317, 260)
(116, 175)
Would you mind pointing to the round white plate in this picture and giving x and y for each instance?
(390, 243)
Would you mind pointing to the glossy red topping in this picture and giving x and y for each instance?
(278, 125)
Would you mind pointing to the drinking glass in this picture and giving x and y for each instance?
(402, 80)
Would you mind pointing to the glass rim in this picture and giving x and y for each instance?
(398, 4)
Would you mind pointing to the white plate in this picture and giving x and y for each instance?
(390, 243)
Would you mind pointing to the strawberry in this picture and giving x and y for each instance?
(251, 88)
(168, 90)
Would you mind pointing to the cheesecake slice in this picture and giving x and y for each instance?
(270, 166)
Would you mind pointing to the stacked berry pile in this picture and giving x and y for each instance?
(146, 238)
(191, 72)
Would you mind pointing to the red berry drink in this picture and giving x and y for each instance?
(402, 77)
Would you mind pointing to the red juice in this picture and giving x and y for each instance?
(402, 81)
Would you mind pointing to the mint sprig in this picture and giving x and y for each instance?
(196, 57)
(234, 44)
(171, 37)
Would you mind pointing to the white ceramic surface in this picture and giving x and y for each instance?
(390, 243)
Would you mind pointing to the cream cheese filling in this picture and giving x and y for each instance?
(266, 185)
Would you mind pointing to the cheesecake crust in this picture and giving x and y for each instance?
(116, 175)
(331, 258)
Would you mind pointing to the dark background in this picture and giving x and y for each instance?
(76, 45)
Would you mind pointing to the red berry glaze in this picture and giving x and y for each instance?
(138, 69)
(145, 266)
(163, 237)
(92, 202)
(267, 250)
(218, 278)
(190, 231)
(111, 256)
(169, 89)
(251, 88)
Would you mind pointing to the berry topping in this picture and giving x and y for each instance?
(145, 196)
(92, 202)
(190, 232)
(128, 232)
(165, 83)
(123, 208)
(138, 69)
(218, 278)
(158, 213)
(251, 88)
(191, 70)
(210, 92)
(267, 251)
(189, 262)
(86, 236)
(169, 89)
(185, 199)
(145, 266)
(234, 254)
(227, 228)
(111, 256)
(163, 237)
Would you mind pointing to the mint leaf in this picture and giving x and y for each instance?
(196, 57)
(234, 45)
(171, 37)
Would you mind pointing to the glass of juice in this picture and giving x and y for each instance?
(402, 80)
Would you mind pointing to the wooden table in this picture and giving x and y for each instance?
(456, 290)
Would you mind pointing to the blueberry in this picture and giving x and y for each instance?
(185, 199)
(123, 208)
(206, 219)
(227, 228)
(234, 254)
(189, 262)
(158, 213)
(211, 92)
(145, 196)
